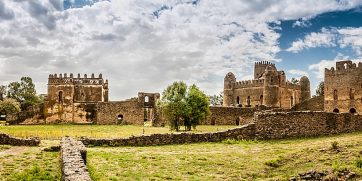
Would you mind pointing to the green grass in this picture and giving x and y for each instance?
(229, 160)
(29, 163)
(93, 131)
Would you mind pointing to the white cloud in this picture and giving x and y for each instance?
(198, 43)
(319, 67)
(298, 72)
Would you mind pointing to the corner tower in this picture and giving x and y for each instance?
(271, 87)
(229, 83)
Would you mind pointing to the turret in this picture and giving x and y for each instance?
(229, 83)
(305, 88)
(271, 87)
(260, 67)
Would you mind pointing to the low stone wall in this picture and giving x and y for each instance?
(6, 139)
(73, 158)
(244, 132)
(276, 125)
(230, 116)
(131, 112)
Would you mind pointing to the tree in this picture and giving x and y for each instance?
(23, 92)
(9, 106)
(216, 100)
(180, 104)
(294, 81)
(320, 89)
(2, 92)
(197, 105)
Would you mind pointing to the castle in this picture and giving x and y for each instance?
(343, 88)
(269, 88)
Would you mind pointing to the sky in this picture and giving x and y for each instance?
(142, 45)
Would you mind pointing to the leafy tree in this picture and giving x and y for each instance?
(216, 100)
(294, 81)
(197, 105)
(2, 92)
(184, 105)
(8, 106)
(320, 89)
(23, 92)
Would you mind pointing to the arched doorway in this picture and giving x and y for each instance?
(237, 101)
(213, 121)
(237, 121)
(291, 101)
(352, 110)
(120, 119)
(60, 97)
(336, 110)
(248, 101)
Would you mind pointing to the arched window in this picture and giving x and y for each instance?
(353, 110)
(351, 93)
(147, 99)
(336, 110)
(238, 100)
(119, 118)
(335, 94)
(60, 96)
(248, 101)
(261, 99)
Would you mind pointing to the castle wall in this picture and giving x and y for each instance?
(229, 116)
(343, 87)
(313, 104)
(254, 93)
(131, 112)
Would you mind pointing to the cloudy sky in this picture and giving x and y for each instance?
(144, 45)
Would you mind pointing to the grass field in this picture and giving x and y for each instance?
(230, 160)
(28, 163)
(93, 131)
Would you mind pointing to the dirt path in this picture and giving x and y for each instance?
(12, 151)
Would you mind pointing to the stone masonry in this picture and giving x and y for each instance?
(73, 159)
(6, 139)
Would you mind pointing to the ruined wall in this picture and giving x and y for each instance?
(343, 87)
(229, 116)
(6, 139)
(77, 113)
(313, 104)
(35, 113)
(276, 125)
(123, 112)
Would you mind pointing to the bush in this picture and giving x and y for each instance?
(274, 162)
(359, 163)
(334, 145)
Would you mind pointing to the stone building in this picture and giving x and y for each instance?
(269, 88)
(343, 88)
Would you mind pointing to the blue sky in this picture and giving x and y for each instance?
(144, 45)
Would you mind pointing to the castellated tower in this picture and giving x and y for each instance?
(271, 87)
(268, 88)
(343, 88)
(229, 83)
(305, 88)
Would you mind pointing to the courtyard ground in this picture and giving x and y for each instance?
(94, 131)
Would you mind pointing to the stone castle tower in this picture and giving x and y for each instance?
(343, 88)
(268, 88)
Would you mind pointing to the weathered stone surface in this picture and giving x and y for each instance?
(313, 104)
(6, 139)
(73, 158)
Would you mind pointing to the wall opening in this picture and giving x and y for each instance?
(120, 119)
(60, 96)
(248, 101)
(213, 121)
(238, 100)
(237, 121)
(336, 110)
(352, 110)
(335, 94)
(351, 93)
(291, 101)
(147, 99)
(261, 99)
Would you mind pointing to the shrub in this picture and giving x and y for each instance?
(334, 145)
(359, 163)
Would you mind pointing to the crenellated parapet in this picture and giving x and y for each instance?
(290, 85)
(61, 79)
(343, 67)
(264, 63)
(249, 83)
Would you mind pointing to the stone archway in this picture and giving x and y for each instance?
(336, 110)
(120, 119)
(352, 110)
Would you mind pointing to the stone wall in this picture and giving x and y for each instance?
(31, 113)
(73, 158)
(276, 125)
(123, 112)
(229, 116)
(313, 104)
(6, 139)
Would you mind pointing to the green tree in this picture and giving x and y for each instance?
(294, 81)
(216, 100)
(197, 105)
(2, 92)
(23, 92)
(8, 106)
(320, 89)
(180, 104)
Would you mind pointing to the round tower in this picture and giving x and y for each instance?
(229, 83)
(271, 87)
(305, 88)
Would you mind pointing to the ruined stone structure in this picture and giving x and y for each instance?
(84, 100)
(269, 88)
(343, 88)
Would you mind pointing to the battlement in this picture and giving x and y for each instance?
(85, 80)
(343, 67)
(249, 83)
(264, 63)
(290, 85)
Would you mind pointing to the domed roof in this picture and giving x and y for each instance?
(230, 76)
(304, 79)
